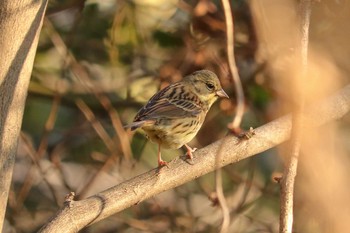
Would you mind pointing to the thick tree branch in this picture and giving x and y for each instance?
(20, 24)
(78, 214)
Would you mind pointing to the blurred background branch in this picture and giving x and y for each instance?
(237, 119)
(287, 181)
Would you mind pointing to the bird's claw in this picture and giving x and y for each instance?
(162, 163)
(189, 152)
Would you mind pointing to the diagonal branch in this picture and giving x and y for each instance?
(78, 214)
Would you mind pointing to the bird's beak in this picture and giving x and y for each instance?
(222, 93)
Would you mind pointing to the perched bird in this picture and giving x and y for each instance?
(173, 116)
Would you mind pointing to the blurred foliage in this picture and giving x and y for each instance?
(119, 53)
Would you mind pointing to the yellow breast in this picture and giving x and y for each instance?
(174, 133)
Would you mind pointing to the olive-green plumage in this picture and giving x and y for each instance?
(173, 116)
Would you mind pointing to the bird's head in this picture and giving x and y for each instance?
(206, 85)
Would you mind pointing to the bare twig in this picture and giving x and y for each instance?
(98, 127)
(290, 172)
(38, 154)
(83, 76)
(247, 187)
(235, 125)
(137, 189)
(100, 130)
(239, 110)
(220, 191)
(29, 178)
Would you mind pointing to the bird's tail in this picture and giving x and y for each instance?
(134, 125)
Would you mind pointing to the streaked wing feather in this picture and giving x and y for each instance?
(138, 124)
(163, 104)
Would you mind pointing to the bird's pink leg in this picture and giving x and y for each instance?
(189, 151)
(161, 162)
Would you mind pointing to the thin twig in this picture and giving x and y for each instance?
(290, 171)
(83, 77)
(239, 110)
(38, 154)
(96, 124)
(220, 191)
(102, 133)
(28, 182)
(235, 125)
(247, 187)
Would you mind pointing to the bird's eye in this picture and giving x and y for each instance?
(210, 86)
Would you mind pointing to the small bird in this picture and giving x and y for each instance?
(173, 116)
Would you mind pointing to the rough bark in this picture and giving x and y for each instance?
(20, 23)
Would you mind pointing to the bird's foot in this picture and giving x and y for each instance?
(189, 153)
(162, 163)
(247, 134)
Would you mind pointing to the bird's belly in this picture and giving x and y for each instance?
(173, 134)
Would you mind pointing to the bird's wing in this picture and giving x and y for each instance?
(171, 102)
